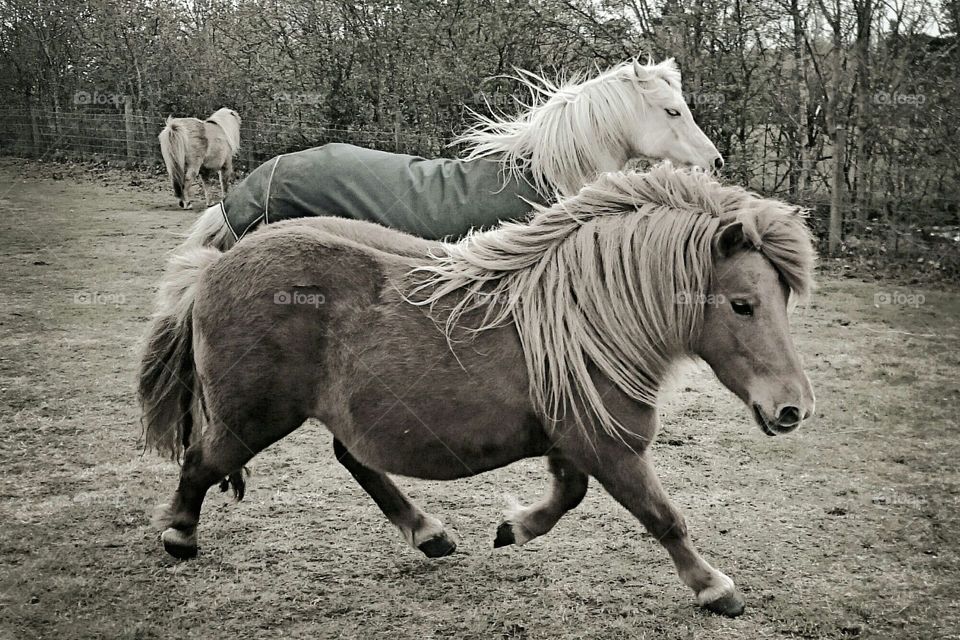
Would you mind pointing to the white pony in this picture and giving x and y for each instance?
(191, 146)
(574, 131)
(569, 134)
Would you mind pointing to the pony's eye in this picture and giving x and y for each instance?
(673, 113)
(742, 307)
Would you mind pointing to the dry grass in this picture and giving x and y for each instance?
(846, 528)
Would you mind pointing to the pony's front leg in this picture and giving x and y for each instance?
(421, 530)
(632, 481)
(523, 524)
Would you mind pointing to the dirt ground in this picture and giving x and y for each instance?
(847, 528)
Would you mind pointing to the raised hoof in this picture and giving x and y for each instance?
(438, 546)
(180, 545)
(504, 535)
(730, 605)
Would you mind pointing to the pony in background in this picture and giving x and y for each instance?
(193, 147)
(565, 137)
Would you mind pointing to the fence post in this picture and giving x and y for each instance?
(128, 122)
(396, 131)
(836, 190)
(249, 147)
(148, 151)
(35, 129)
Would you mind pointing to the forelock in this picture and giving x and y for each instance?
(669, 72)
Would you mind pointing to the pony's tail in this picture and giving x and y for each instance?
(168, 388)
(210, 230)
(173, 148)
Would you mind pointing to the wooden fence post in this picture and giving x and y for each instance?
(128, 122)
(35, 130)
(248, 146)
(396, 131)
(836, 189)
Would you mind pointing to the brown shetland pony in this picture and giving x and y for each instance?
(441, 361)
(192, 147)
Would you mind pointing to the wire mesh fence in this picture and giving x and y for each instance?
(131, 138)
(124, 137)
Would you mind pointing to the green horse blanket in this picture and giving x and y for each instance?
(429, 198)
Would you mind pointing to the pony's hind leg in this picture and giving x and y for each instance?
(421, 530)
(211, 460)
(523, 524)
(226, 175)
(189, 177)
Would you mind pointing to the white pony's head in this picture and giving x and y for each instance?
(575, 130)
(666, 129)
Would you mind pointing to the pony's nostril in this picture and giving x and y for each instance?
(789, 416)
(718, 163)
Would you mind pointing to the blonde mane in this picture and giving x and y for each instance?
(231, 127)
(601, 278)
(569, 131)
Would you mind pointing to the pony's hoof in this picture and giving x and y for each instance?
(504, 535)
(730, 605)
(179, 544)
(185, 205)
(512, 532)
(438, 546)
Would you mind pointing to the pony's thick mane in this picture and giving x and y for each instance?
(605, 278)
(230, 125)
(560, 139)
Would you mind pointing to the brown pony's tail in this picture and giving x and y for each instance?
(168, 387)
(173, 148)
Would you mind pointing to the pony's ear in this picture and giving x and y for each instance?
(730, 239)
(640, 71)
(671, 64)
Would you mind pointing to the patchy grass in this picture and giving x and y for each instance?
(847, 528)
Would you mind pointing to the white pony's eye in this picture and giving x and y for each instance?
(673, 113)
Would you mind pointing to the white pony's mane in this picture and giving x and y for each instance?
(231, 126)
(607, 278)
(569, 129)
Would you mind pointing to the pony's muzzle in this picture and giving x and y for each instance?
(787, 418)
